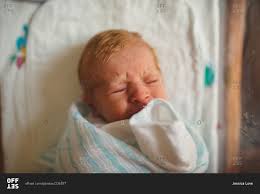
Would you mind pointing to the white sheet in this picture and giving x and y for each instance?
(13, 15)
(182, 33)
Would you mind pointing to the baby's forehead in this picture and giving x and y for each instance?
(137, 56)
(112, 77)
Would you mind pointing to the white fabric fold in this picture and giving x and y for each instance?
(164, 138)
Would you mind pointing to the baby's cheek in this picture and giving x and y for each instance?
(159, 93)
(118, 110)
(121, 109)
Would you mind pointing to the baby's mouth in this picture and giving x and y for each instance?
(137, 110)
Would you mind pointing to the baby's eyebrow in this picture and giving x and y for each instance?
(116, 82)
(117, 79)
(151, 74)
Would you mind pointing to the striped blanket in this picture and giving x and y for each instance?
(84, 148)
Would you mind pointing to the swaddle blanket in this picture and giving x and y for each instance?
(153, 140)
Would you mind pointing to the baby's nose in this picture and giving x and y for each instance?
(141, 98)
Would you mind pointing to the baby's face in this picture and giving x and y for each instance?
(129, 80)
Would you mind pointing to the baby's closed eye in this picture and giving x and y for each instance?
(119, 90)
(151, 81)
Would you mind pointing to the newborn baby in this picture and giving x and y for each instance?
(121, 80)
(119, 74)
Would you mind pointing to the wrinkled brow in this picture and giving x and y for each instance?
(117, 78)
